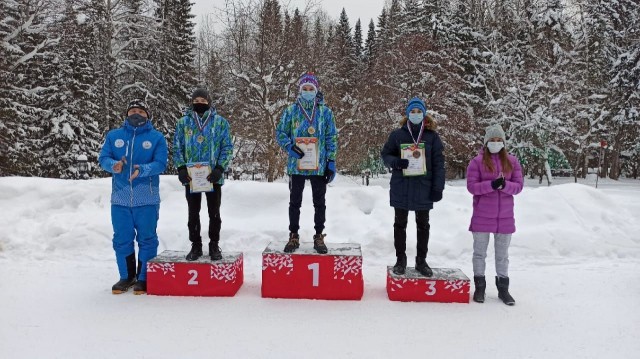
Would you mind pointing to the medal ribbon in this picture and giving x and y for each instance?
(419, 135)
(306, 115)
(201, 125)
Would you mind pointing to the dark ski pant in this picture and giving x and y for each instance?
(135, 224)
(194, 203)
(400, 232)
(318, 190)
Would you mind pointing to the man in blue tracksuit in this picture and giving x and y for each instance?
(135, 154)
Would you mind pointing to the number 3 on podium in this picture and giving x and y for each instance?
(315, 268)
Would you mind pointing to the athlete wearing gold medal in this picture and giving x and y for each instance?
(307, 132)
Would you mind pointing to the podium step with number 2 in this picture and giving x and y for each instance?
(171, 274)
(306, 274)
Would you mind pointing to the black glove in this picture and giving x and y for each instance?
(296, 152)
(216, 174)
(330, 172)
(435, 196)
(401, 164)
(183, 175)
(497, 183)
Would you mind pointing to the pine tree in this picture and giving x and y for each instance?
(357, 41)
(27, 59)
(370, 44)
(72, 127)
(173, 56)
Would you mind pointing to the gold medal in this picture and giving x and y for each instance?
(416, 154)
(311, 130)
(200, 139)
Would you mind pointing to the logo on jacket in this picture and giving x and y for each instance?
(119, 143)
(146, 145)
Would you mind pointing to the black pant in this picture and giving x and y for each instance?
(400, 232)
(194, 202)
(318, 189)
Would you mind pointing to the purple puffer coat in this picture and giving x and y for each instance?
(493, 209)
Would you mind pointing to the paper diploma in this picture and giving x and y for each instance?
(309, 145)
(417, 159)
(198, 172)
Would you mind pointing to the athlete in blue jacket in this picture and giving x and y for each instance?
(135, 154)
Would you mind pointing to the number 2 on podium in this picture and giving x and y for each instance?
(315, 268)
(194, 277)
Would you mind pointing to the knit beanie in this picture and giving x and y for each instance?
(308, 79)
(139, 103)
(494, 131)
(416, 102)
(201, 92)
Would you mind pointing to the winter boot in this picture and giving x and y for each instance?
(318, 243)
(481, 285)
(214, 251)
(124, 284)
(195, 252)
(423, 268)
(401, 265)
(140, 287)
(503, 290)
(293, 244)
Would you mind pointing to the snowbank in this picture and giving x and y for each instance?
(45, 218)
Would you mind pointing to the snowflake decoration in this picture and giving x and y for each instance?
(344, 266)
(277, 263)
(456, 285)
(164, 267)
(227, 272)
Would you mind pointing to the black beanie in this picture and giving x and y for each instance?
(201, 92)
(138, 103)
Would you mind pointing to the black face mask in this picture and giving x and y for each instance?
(200, 108)
(136, 120)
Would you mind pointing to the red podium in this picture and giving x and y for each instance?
(171, 274)
(306, 274)
(447, 285)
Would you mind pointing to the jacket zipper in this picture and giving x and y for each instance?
(131, 164)
(499, 201)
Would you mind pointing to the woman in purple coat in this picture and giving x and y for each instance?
(493, 177)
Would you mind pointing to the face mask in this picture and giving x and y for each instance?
(495, 147)
(416, 118)
(136, 120)
(308, 95)
(200, 108)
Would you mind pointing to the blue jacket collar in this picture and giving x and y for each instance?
(144, 128)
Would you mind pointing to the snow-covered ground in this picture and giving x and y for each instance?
(575, 275)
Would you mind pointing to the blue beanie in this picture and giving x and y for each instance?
(416, 102)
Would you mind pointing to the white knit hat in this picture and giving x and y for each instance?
(494, 131)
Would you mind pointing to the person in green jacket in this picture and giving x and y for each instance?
(202, 136)
(308, 123)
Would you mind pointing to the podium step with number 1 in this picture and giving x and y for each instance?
(307, 274)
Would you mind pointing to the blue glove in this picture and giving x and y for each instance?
(330, 171)
(295, 151)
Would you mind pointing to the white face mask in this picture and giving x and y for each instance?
(495, 147)
(416, 118)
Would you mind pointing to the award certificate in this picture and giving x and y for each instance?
(309, 145)
(198, 172)
(417, 160)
